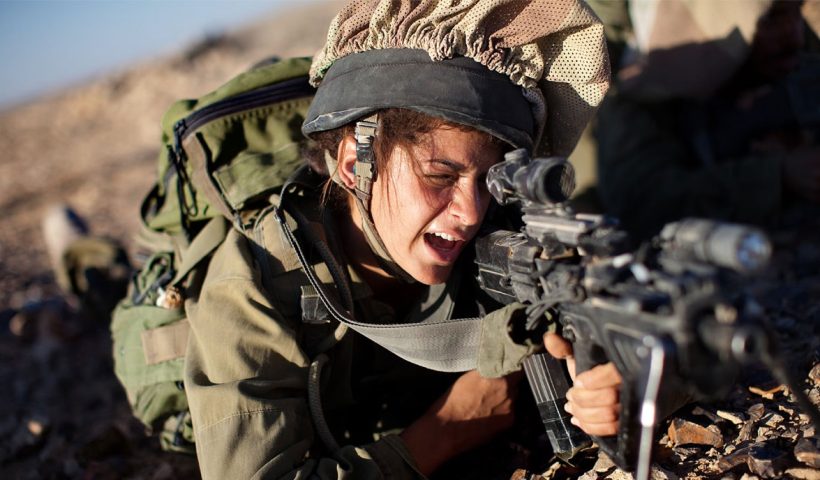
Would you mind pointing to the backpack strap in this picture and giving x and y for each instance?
(205, 242)
(169, 342)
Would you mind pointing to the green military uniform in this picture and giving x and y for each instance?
(659, 161)
(253, 340)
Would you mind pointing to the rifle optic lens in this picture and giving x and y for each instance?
(753, 251)
(546, 181)
(742, 248)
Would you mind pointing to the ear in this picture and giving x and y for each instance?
(346, 157)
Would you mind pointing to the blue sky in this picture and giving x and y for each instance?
(48, 44)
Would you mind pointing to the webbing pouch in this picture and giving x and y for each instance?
(149, 345)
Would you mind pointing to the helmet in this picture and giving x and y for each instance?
(529, 73)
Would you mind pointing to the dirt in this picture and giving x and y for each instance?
(64, 415)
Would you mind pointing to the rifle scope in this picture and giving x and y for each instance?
(543, 181)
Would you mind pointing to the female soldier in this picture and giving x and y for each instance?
(415, 102)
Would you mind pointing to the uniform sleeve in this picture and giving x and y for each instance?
(246, 380)
(647, 179)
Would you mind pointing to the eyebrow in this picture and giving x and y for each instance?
(448, 163)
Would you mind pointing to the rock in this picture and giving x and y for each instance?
(756, 411)
(698, 410)
(604, 463)
(617, 475)
(766, 461)
(684, 432)
(814, 396)
(736, 418)
(761, 459)
(519, 474)
(656, 473)
(807, 452)
(728, 462)
(764, 434)
(791, 434)
(553, 470)
(684, 453)
(803, 473)
(659, 473)
(767, 393)
(814, 375)
(745, 433)
(38, 426)
(28, 438)
(23, 325)
(772, 420)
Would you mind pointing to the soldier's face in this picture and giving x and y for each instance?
(431, 200)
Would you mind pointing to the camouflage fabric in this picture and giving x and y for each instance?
(555, 50)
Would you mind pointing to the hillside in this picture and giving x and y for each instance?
(94, 146)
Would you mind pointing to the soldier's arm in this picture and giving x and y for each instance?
(246, 380)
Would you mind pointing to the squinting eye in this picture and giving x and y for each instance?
(440, 180)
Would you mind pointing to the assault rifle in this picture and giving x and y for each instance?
(671, 314)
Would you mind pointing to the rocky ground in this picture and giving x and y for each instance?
(64, 415)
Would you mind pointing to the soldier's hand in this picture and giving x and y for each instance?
(594, 400)
(801, 172)
(469, 414)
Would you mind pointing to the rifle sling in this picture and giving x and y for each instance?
(447, 346)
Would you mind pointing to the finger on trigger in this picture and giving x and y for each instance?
(557, 346)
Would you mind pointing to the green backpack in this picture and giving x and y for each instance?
(223, 155)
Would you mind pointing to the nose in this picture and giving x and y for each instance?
(468, 204)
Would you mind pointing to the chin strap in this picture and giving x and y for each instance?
(365, 172)
(365, 168)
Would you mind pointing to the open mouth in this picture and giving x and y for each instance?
(446, 246)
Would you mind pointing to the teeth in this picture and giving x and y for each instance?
(445, 236)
